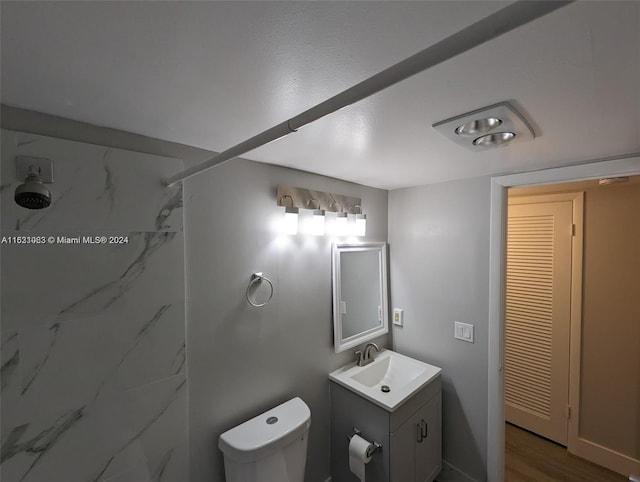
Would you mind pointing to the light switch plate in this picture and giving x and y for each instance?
(398, 316)
(463, 331)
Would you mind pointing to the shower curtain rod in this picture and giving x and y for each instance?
(496, 24)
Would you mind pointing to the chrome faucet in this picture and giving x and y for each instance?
(365, 357)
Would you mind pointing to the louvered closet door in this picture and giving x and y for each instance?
(538, 313)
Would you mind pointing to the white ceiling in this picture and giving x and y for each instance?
(212, 74)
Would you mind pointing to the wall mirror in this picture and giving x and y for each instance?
(360, 310)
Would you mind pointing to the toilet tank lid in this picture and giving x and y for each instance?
(266, 433)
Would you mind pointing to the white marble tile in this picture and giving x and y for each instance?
(93, 336)
(102, 439)
(9, 375)
(156, 350)
(70, 446)
(158, 413)
(56, 282)
(71, 362)
(95, 188)
(9, 357)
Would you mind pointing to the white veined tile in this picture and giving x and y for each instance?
(104, 438)
(54, 282)
(95, 188)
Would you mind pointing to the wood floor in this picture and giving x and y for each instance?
(535, 459)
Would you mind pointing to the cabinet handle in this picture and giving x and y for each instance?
(419, 431)
(425, 429)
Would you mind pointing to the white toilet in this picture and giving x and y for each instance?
(271, 447)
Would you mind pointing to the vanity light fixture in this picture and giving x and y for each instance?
(493, 126)
(295, 198)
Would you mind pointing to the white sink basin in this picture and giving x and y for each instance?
(402, 375)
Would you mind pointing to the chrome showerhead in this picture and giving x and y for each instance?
(32, 194)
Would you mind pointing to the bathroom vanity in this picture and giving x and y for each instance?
(406, 420)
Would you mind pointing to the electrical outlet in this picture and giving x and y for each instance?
(463, 331)
(398, 316)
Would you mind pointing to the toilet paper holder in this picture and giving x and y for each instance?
(375, 445)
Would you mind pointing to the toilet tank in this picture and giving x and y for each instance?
(269, 447)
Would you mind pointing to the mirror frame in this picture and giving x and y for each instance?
(339, 343)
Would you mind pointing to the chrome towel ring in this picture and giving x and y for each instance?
(257, 278)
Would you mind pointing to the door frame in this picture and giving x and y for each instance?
(626, 165)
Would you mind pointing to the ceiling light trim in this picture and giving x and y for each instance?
(511, 121)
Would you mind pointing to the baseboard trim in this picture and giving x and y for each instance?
(612, 460)
(451, 473)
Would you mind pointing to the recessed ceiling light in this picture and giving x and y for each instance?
(494, 140)
(478, 126)
(492, 126)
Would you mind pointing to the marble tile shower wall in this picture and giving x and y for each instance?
(93, 335)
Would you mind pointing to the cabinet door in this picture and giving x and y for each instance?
(428, 440)
(401, 458)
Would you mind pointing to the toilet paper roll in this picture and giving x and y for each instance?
(359, 450)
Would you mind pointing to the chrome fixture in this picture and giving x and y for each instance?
(375, 446)
(478, 127)
(320, 203)
(494, 140)
(257, 279)
(304, 198)
(493, 126)
(365, 357)
(32, 194)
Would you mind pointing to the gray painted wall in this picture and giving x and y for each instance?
(439, 270)
(244, 360)
(93, 338)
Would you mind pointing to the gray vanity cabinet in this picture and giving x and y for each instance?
(411, 435)
(416, 448)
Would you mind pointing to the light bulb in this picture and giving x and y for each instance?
(341, 224)
(361, 225)
(290, 222)
(317, 222)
